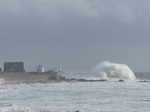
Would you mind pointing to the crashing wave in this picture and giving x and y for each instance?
(113, 70)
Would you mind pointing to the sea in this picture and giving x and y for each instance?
(131, 94)
(109, 96)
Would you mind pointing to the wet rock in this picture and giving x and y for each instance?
(121, 80)
(82, 80)
(144, 81)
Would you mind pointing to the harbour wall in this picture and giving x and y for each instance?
(10, 78)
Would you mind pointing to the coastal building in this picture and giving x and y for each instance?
(13, 67)
(40, 69)
(14, 72)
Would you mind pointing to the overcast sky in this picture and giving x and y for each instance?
(75, 33)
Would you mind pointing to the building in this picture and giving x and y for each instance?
(40, 69)
(13, 67)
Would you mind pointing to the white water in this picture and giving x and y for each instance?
(128, 96)
(111, 96)
(113, 70)
(104, 70)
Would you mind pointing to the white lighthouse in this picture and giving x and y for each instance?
(59, 68)
(40, 69)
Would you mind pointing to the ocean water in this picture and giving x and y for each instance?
(111, 96)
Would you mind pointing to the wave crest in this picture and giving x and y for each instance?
(113, 70)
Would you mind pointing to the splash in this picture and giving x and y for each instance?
(113, 70)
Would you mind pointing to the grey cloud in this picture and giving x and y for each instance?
(74, 32)
(48, 10)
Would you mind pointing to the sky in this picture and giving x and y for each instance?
(75, 33)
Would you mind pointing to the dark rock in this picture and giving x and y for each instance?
(121, 80)
(144, 81)
(82, 80)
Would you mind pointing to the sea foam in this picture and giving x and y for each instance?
(113, 70)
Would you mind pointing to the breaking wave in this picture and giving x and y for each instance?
(113, 70)
(104, 70)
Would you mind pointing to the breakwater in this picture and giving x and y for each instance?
(12, 78)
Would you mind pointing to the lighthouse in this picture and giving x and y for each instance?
(59, 68)
(59, 71)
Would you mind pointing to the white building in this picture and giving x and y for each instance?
(40, 69)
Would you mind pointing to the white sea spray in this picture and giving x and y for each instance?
(113, 70)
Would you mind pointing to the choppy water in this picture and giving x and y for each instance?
(128, 96)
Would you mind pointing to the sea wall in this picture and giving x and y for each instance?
(10, 78)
